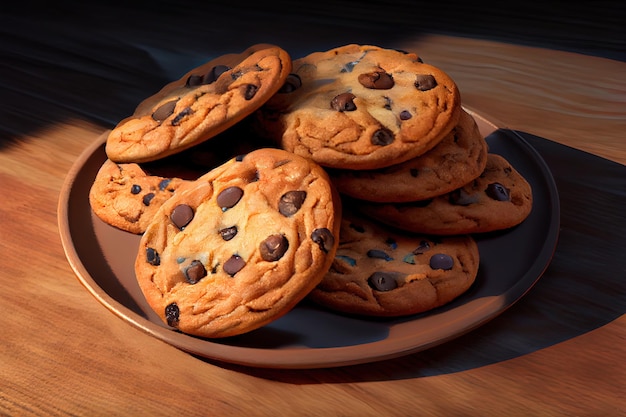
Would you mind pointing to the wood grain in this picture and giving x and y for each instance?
(557, 352)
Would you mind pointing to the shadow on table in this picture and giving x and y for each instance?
(577, 294)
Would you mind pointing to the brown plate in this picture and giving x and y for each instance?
(309, 337)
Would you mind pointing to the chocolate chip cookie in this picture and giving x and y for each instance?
(379, 272)
(459, 158)
(202, 103)
(500, 198)
(242, 246)
(361, 107)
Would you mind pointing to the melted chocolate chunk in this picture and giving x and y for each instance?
(273, 247)
(460, 197)
(228, 233)
(379, 254)
(152, 257)
(498, 192)
(164, 111)
(234, 264)
(135, 189)
(195, 272)
(180, 116)
(250, 91)
(228, 197)
(377, 80)
(383, 281)
(324, 238)
(343, 102)
(172, 314)
(147, 199)
(164, 183)
(290, 202)
(214, 73)
(181, 215)
(292, 83)
(425, 82)
(405, 115)
(441, 261)
(382, 137)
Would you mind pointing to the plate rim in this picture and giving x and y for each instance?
(290, 358)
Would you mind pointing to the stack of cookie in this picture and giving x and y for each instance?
(353, 177)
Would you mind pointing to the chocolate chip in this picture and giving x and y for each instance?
(343, 102)
(164, 183)
(382, 137)
(423, 247)
(379, 254)
(180, 116)
(164, 111)
(425, 82)
(228, 232)
(214, 73)
(172, 314)
(181, 215)
(250, 91)
(414, 172)
(498, 192)
(378, 80)
(152, 257)
(292, 83)
(135, 189)
(391, 242)
(388, 103)
(147, 199)
(193, 80)
(460, 197)
(324, 238)
(195, 272)
(273, 247)
(405, 115)
(228, 197)
(383, 281)
(290, 202)
(441, 261)
(347, 259)
(234, 264)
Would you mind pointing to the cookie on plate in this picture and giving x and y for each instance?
(500, 198)
(361, 107)
(459, 158)
(127, 197)
(242, 246)
(380, 272)
(202, 103)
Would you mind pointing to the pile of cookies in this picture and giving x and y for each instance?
(352, 177)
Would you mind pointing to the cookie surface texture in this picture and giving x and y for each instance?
(377, 272)
(201, 104)
(127, 197)
(459, 158)
(241, 247)
(363, 107)
(500, 198)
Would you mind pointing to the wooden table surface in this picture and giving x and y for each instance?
(67, 76)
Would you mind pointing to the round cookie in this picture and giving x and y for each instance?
(498, 199)
(127, 197)
(361, 107)
(379, 272)
(459, 158)
(202, 103)
(242, 246)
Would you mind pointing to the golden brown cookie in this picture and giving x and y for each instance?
(127, 197)
(500, 198)
(459, 158)
(241, 247)
(201, 104)
(361, 107)
(379, 272)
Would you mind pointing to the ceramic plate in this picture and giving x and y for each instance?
(511, 262)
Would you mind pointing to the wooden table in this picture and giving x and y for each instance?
(559, 351)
